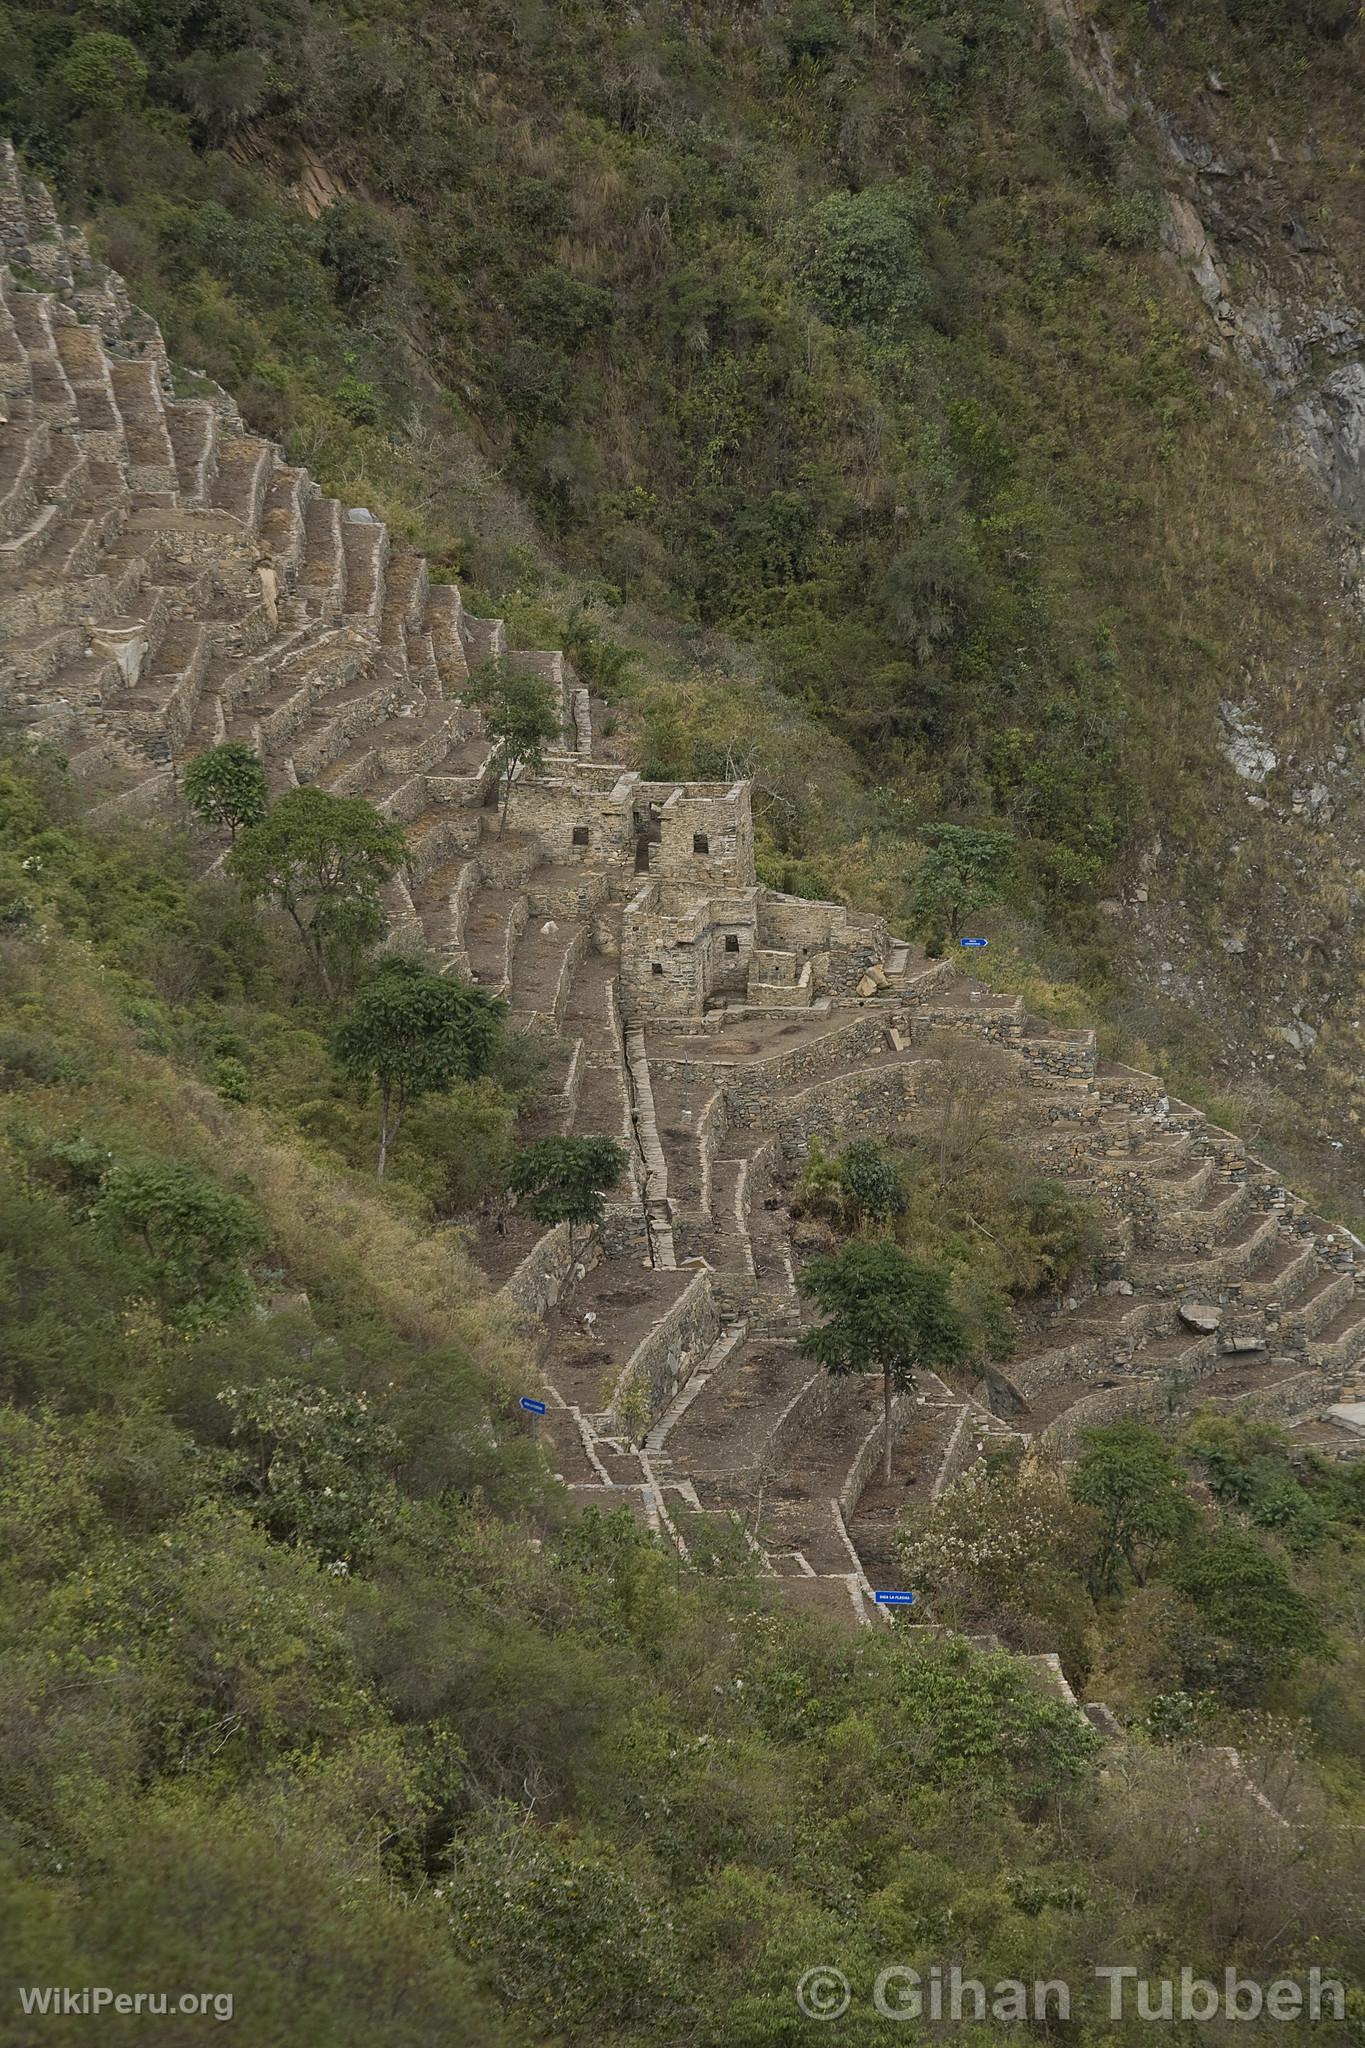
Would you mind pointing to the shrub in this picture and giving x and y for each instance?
(103, 72)
(558, 310)
(361, 249)
(1133, 220)
(860, 255)
(193, 1233)
(1257, 1625)
(316, 1464)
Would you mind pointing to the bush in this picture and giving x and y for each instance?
(103, 72)
(860, 255)
(1133, 220)
(1257, 1625)
(362, 251)
(192, 1233)
(560, 311)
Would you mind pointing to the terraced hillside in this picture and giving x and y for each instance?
(167, 580)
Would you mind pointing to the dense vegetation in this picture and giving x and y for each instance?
(1174, 1579)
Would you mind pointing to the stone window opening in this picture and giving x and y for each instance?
(582, 836)
(700, 843)
(657, 967)
(732, 942)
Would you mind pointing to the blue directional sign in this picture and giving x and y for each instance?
(973, 942)
(532, 1407)
(894, 1599)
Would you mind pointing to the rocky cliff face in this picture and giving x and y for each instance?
(1267, 946)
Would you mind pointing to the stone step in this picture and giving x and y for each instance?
(242, 478)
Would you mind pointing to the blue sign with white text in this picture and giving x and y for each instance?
(532, 1407)
(894, 1599)
(973, 942)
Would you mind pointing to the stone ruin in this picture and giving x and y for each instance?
(168, 581)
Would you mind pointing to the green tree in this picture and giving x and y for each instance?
(1258, 1624)
(520, 712)
(860, 1188)
(194, 1233)
(872, 1182)
(566, 1180)
(361, 250)
(415, 1033)
(960, 875)
(1055, 1233)
(559, 310)
(103, 72)
(1005, 1549)
(226, 786)
(860, 254)
(322, 860)
(886, 1314)
(1135, 1483)
(317, 1464)
(222, 90)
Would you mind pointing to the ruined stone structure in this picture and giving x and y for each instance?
(167, 580)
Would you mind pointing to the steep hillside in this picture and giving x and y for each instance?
(328, 1699)
(854, 355)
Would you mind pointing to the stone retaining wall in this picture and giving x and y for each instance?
(664, 1358)
(751, 1086)
(845, 1106)
(538, 1281)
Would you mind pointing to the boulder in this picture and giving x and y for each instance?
(1204, 1316)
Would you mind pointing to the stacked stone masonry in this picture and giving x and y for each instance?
(168, 581)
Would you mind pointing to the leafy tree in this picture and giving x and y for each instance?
(884, 1314)
(860, 254)
(872, 1182)
(520, 712)
(568, 1933)
(1005, 1549)
(415, 1033)
(226, 786)
(1246, 1463)
(960, 875)
(561, 310)
(194, 1233)
(862, 1187)
(103, 72)
(1057, 1232)
(317, 1464)
(1135, 1482)
(1259, 1625)
(222, 90)
(322, 860)
(361, 250)
(566, 1180)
